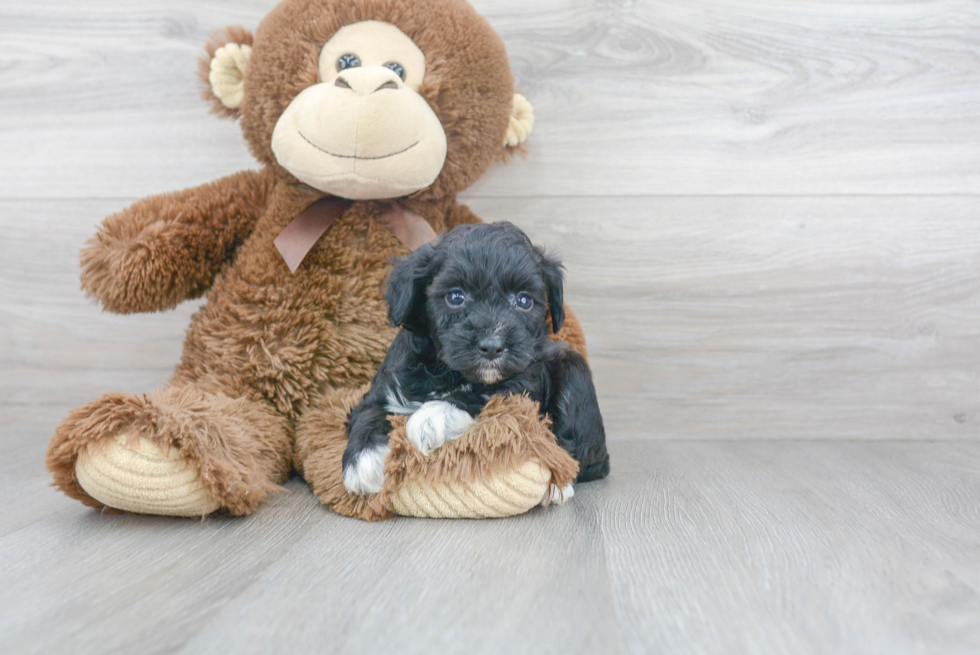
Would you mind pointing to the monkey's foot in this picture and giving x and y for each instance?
(135, 474)
(503, 493)
(180, 451)
(503, 465)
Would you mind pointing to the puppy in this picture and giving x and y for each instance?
(473, 309)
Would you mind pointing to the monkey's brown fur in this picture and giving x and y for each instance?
(273, 361)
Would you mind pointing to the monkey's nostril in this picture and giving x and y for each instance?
(388, 85)
(341, 82)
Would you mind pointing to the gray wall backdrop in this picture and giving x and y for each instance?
(768, 210)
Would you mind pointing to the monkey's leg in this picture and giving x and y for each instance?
(503, 466)
(180, 451)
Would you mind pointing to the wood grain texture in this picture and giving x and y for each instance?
(707, 318)
(786, 317)
(689, 547)
(758, 547)
(632, 97)
(767, 210)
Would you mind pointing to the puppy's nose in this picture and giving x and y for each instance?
(491, 347)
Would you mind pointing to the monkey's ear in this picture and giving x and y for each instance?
(407, 286)
(222, 70)
(551, 271)
(521, 122)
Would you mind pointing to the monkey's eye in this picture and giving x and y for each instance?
(398, 68)
(348, 61)
(524, 301)
(455, 298)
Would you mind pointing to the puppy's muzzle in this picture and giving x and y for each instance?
(491, 347)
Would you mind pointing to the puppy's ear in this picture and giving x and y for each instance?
(551, 271)
(407, 285)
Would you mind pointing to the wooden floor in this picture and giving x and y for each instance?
(689, 547)
(770, 217)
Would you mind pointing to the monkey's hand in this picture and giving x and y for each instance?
(166, 249)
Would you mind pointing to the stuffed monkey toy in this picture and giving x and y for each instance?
(367, 117)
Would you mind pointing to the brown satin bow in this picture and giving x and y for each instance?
(299, 237)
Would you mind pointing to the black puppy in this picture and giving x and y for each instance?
(473, 308)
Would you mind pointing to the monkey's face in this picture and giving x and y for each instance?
(371, 99)
(363, 131)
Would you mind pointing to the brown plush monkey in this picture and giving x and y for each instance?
(362, 113)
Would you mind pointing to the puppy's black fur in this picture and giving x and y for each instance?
(473, 308)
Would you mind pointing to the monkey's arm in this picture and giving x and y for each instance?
(165, 249)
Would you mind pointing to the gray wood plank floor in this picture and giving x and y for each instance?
(689, 547)
(768, 213)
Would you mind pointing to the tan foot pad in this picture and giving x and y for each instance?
(504, 494)
(135, 475)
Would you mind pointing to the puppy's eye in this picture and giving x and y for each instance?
(455, 298)
(524, 301)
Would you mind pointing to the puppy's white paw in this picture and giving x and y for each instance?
(435, 423)
(366, 474)
(556, 496)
